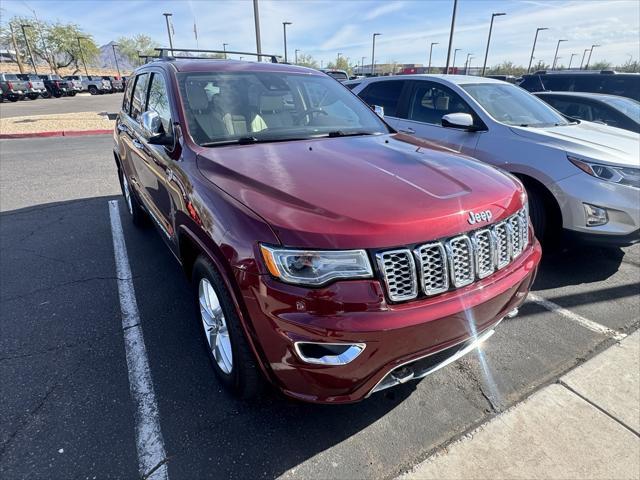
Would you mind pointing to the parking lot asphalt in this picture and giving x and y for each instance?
(65, 403)
(109, 103)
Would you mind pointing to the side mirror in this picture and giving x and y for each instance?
(462, 121)
(379, 110)
(152, 126)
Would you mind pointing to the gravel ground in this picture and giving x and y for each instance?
(55, 122)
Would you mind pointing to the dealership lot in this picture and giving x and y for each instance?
(66, 402)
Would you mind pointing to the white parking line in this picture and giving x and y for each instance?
(149, 442)
(585, 322)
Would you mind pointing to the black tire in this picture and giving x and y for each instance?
(46, 94)
(33, 96)
(537, 213)
(93, 90)
(72, 94)
(138, 215)
(545, 216)
(57, 94)
(245, 379)
(14, 98)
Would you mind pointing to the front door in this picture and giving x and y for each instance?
(427, 103)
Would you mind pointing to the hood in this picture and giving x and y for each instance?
(360, 192)
(590, 141)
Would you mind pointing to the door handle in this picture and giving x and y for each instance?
(169, 174)
(122, 127)
(408, 130)
(138, 144)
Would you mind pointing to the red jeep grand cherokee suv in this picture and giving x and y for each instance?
(328, 253)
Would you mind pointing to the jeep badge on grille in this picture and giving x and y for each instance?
(484, 216)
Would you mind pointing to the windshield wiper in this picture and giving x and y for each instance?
(340, 133)
(237, 141)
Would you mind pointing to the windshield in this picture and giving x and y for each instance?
(11, 76)
(271, 106)
(512, 105)
(629, 107)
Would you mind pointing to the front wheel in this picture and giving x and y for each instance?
(33, 96)
(228, 350)
(93, 90)
(138, 215)
(71, 94)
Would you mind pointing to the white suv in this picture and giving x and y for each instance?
(582, 177)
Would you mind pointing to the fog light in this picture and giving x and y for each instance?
(328, 353)
(595, 215)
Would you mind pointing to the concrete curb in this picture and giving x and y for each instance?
(57, 133)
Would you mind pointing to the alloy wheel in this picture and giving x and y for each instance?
(215, 326)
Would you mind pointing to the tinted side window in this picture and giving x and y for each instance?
(558, 83)
(625, 86)
(385, 94)
(588, 83)
(571, 108)
(603, 114)
(126, 101)
(430, 101)
(159, 101)
(351, 86)
(139, 96)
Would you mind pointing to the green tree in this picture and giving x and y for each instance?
(506, 68)
(54, 43)
(341, 63)
(133, 47)
(307, 61)
(600, 65)
(630, 66)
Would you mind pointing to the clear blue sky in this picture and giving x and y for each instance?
(324, 28)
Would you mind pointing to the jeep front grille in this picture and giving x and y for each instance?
(435, 267)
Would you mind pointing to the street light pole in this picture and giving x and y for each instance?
(256, 20)
(373, 55)
(224, 49)
(29, 47)
(166, 17)
(453, 24)
(113, 46)
(82, 55)
(486, 53)
(453, 64)
(535, 40)
(555, 57)
(466, 64)
(431, 52)
(284, 28)
(296, 53)
(584, 54)
(571, 59)
(589, 58)
(362, 66)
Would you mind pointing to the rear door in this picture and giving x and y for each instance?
(427, 103)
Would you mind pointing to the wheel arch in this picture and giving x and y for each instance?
(550, 200)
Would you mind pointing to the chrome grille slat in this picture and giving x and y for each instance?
(432, 268)
(436, 267)
(399, 273)
(484, 246)
(461, 262)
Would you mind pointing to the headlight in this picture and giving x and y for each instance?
(316, 267)
(622, 175)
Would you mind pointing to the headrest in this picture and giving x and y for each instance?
(197, 96)
(271, 103)
(442, 103)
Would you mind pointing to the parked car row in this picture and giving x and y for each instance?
(20, 86)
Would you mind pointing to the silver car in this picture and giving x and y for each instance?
(582, 178)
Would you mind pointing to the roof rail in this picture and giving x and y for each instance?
(572, 70)
(167, 53)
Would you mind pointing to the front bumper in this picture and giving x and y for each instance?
(622, 203)
(356, 312)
